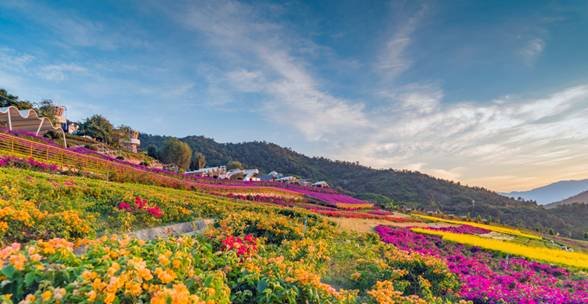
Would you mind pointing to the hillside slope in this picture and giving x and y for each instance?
(554, 192)
(581, 198)
(407, 188)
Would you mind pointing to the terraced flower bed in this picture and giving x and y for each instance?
(253, 254)
(492, 277)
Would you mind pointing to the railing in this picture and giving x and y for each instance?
(20, 147)
(109, 170)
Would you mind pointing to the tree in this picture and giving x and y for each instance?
(176, 152)
(198, 161)
(234, 164)
(152, 151)
(97, 126)
(46, 108)
(7, 99)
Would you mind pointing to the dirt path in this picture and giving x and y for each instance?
(367, 225)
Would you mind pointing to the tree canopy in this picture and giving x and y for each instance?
(198, 161)
(97, 126)
(176, 152)
(7, 99)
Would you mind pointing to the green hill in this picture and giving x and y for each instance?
(389, 187)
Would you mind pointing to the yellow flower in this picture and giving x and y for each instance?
(176, 263)
(165, 276)
(18, 261)
(133, 288)
(145, 274)
(163, 260)
(91, 296)
(109, 298)
(46, 295)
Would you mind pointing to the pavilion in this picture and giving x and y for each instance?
(28, 120)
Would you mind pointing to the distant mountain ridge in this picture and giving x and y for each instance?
(387, 186)
(581, 198)
(551, 193)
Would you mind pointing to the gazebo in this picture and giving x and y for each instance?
(27, 120)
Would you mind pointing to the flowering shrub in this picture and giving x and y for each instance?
(243, 246)
(491, 278)
(23, 220)
(463, 229)
(141, 205)
(27, 163)
(361, 215)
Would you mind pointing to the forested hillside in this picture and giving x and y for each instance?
(404, 188)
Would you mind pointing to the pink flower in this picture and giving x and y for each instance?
(124, 206)
(140, 203)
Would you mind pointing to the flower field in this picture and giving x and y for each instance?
(500, 229)
(557, 256)
(80, 160)
(62, 240)
(60, 245)
(490, 277)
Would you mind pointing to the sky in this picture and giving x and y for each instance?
(489, 93)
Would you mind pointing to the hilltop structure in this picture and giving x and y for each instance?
(28, 120)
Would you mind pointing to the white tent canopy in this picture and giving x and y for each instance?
(27, 120)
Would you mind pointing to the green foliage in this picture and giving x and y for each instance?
(7, 99)
(46, 108)
(152, 151)
(176, 152)
(97, 126)
(234, 164)
(198, 161)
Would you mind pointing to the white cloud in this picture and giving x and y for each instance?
(532, 50)
(59, 72)
(292, 95)
(393, 60)
(508, 141)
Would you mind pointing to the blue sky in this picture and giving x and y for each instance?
(491, 93)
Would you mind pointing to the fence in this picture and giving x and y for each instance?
(111, 170)
(21, 147)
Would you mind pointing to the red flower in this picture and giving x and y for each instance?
(124, 206)
(155, 211)
(140, 203)
(246, 246)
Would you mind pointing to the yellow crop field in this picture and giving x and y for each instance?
(574, 259)
(506, 230)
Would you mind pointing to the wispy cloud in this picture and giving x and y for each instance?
(415, 127)
(73, 30)
(532, 50)
(59, 72)
(292, 95)
(393, 60)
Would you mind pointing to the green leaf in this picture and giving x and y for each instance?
(30, 278)
(8, 271)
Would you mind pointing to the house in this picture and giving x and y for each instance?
(321, 184)
(244, 174)
(288, 179)
(214, 172)
(272, 176)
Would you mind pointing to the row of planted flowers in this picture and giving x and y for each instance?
(163, 178)
(490, 277)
